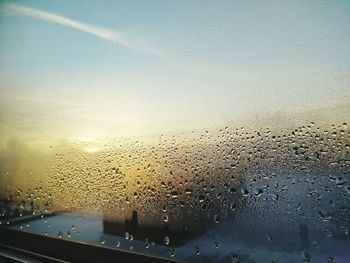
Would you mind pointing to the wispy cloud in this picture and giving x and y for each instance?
(135, 44)
(107, 34)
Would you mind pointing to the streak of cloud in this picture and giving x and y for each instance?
(110, 35)
(117, 37)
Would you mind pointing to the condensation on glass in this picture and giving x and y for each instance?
(201, 148)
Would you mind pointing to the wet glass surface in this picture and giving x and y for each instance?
(214, 132)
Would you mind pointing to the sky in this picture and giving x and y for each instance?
(109, 68)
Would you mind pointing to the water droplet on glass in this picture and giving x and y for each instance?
(257, 191)
(216, 219)
(298, 207)
(234, 258)
(232, 190)
(117, 244)
(174, 194)
(172, 252)
(344, 229)
(188, 191)
(244, 191)
(329, 232)
(325, 215)
(269, 238)
(340, 182)
(233, 205)
(273, 195)
(197, 250)
(166, 240)
(347, 189)
(216, 244)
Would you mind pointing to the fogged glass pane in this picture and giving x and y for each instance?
(192, 131)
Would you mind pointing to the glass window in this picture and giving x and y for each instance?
(183, 130)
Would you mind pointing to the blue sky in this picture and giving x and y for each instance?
(176, 62)
(251, 35)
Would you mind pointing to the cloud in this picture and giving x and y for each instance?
(135, 44)
(97, 31)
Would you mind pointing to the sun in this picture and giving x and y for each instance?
(92, 149)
